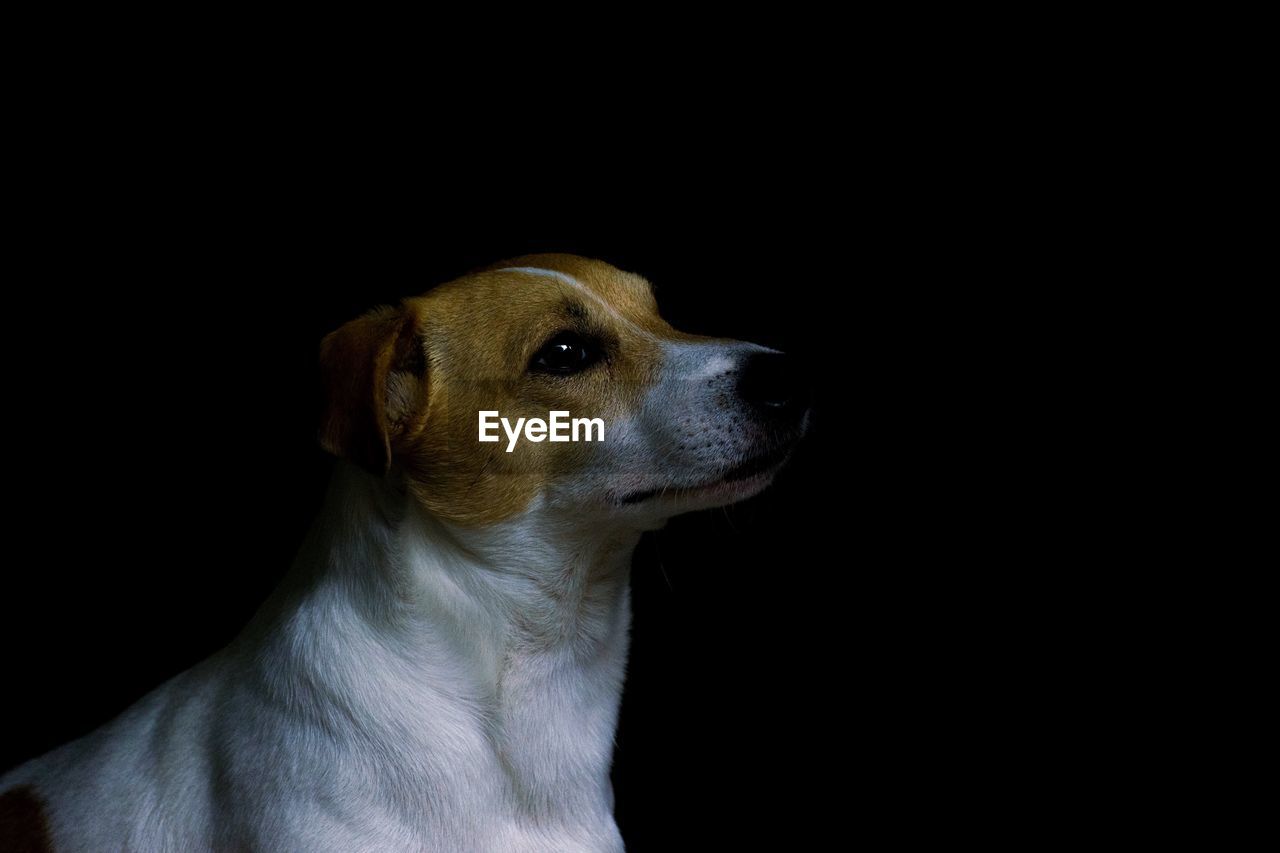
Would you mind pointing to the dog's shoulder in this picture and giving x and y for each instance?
(24, 827)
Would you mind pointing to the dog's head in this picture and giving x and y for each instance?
(689, 422)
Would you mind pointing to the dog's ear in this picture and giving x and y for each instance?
(374, 375)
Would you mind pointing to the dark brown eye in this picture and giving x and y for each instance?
(567, 352)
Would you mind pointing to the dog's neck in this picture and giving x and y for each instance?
(509, 640)
(544, 583)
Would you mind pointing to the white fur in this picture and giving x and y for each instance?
(565, 278)
(412, 687)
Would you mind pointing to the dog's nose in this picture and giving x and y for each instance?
(771, 383)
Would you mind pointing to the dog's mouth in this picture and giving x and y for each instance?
(756, 466)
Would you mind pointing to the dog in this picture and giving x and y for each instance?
(441, 669)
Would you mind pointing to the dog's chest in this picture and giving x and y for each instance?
(511, 757)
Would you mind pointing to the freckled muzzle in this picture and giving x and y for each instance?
(732, 430)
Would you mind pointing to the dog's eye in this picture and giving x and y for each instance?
(567, 352)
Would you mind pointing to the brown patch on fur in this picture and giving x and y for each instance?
(372, 368)
(627, 293)
(478, 333)
(23, 827)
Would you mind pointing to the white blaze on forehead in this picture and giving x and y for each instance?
(565, 278)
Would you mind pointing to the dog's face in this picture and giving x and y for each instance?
(689, 422)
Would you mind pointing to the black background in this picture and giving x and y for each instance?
(929, 628)
(786, 662)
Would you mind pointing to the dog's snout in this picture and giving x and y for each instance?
(771, 383)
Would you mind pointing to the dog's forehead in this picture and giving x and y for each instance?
(594, 279)
(532, 286)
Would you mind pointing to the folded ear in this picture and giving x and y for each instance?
(373, 370)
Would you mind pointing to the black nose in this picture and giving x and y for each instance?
(771, 383)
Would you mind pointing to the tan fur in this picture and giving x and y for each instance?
(372, 377)
(477, 334)
(23, 827)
